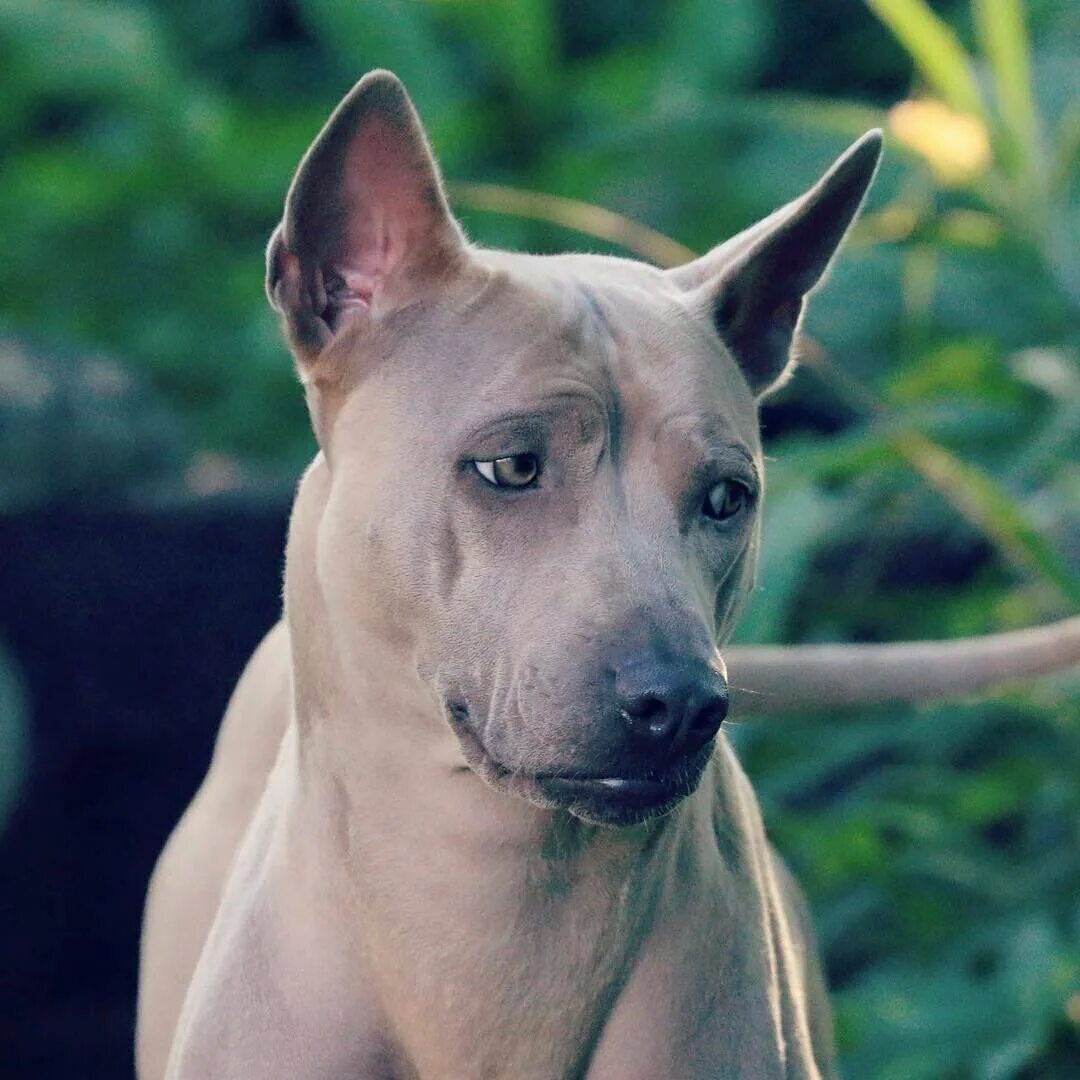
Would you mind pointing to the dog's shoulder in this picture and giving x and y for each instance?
(258, 711)
(741, 837)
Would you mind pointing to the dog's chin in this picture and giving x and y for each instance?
(594, 799)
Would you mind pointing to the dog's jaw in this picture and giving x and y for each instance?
(593, 799)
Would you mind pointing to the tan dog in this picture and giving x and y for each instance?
(469, 813)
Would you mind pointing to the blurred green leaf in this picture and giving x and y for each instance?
(396, 34)
(935, 50)
(1004, 41)
(989, 508)
(108, 48)
(714, 45)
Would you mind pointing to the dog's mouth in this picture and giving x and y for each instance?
(596, 799)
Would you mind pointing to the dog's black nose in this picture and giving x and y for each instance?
(673, 707)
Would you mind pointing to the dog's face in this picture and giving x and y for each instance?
(554, 505)
(546, 471)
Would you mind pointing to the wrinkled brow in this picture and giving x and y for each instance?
(707, 435)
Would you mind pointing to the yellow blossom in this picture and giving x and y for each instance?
(954, 145)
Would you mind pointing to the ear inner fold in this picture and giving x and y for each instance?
(366, 222)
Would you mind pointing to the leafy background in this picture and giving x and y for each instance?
(925, 473)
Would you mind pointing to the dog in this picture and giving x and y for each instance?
(471, 813)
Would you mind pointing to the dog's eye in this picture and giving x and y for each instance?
(515, 471)
(726, 499)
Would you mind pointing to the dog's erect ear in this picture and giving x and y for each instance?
(756, 283)
(366, 223)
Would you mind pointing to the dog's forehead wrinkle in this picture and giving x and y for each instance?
(588, 293)
(524, 328)
(612, 326)
(593, 305)
(709, 433)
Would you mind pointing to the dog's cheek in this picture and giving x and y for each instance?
(732, 596)
(360, 563)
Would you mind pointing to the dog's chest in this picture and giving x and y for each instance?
(608, 985)
(688, 1005)
(523, 996)
(699, 1004)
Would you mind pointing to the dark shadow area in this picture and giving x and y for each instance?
(129, 629)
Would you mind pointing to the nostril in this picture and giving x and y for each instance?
(705, 723)
(648, 715)
(646, 708)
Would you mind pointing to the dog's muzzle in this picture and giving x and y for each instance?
(665, 740)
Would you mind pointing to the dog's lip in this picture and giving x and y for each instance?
(660, 788)
(623, 794)
(624, 787)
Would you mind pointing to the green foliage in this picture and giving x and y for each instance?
(941, 846)
(942, 850)
(929, 484)
(935, 49)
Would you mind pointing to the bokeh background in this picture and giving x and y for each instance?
(925, 472)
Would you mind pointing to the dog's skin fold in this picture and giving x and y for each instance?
(468, 815)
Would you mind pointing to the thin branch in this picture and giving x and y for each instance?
(810, 677)
(573, 214)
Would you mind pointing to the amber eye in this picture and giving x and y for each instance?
(726, 499)
(515, 471)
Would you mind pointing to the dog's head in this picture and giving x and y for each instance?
(544, 472)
